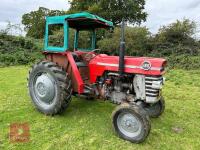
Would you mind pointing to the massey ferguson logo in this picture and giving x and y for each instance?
(146, 65)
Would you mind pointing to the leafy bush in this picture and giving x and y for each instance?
(184, 62)
(18, 50)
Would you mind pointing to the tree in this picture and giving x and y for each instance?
(131, 10)
(179, 31)
(177, 38)
(34, 21)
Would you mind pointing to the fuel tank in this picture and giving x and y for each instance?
(134, 65)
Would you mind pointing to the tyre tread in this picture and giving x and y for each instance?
(63, 82)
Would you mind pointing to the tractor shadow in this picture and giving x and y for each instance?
(82, 106)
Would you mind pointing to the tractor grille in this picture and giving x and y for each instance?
(153, 85)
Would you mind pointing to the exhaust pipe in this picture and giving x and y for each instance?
(122, 50)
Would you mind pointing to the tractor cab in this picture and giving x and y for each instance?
(77, 35)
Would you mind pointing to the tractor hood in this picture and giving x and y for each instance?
(136, 65)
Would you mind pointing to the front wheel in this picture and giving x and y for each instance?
(155, 110)
(131, 123)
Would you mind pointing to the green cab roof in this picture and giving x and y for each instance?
(83, 20)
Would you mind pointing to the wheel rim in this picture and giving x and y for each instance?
(129, 125)
(44, 88)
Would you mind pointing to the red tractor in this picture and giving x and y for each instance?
(133, 83)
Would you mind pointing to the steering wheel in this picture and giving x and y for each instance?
(90, 54)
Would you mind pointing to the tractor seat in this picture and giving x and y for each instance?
(81, 64)
(75, 56)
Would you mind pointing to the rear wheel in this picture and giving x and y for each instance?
(49, 87)
(131, 123)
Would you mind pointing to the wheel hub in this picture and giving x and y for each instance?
(128, 124)
(44, 88)
(41, 88)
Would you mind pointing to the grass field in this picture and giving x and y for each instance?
(87, 124)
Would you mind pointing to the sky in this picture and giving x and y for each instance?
(160, 12)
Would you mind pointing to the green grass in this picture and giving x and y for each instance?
(87, 124)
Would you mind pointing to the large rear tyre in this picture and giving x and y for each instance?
(131, 123)
(155, 110)
(49, 87)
